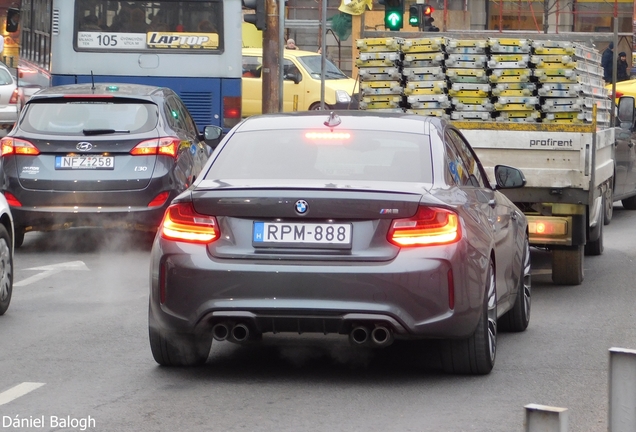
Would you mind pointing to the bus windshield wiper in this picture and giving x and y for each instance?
(103, 131)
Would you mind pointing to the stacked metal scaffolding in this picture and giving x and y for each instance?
(511, 75)
(572, 83)
(425, 86)
(467, 72)
(380, 71)
(504, 80)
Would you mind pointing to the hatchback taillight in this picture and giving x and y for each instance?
(182, 223)
(17, 146)
(14, 97)
(430, 226)
(159, 200)
(12, 200)
(231, 111)
(168, 146)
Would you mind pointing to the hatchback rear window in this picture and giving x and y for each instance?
(297, 155)
(5, 77)
(78, 117)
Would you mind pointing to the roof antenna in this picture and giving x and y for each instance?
(334, 120)
(92, 81)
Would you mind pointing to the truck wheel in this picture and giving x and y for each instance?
(567, 265)
(596, 247)
(629, 203)
(518, 318)
(608, 206)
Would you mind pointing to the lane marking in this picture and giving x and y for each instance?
(50, 270)
(18, 391)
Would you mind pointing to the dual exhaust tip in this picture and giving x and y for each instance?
(381, 336)
(233, 332)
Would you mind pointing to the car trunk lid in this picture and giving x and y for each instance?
(308, 224)
(97, 163)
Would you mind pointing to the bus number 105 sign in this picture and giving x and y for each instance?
(141, 41)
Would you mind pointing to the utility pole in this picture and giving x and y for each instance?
(271, 59)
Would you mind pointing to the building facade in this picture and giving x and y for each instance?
(551, 16)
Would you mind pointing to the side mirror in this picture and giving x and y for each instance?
(293, 76)
(13, 20)
(626, 112)
(508, 177)
(212, 135)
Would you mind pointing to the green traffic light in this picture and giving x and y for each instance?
(393, 20)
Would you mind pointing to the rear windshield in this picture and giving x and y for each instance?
(5, 77)
(297, 155)
(75, 118)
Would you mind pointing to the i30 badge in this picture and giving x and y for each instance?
(84, 146)
(302, 206)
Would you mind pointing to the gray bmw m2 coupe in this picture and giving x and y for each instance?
(378, 226)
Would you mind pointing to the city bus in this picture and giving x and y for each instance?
(190, 46)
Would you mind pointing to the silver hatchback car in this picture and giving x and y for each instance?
(9, 99)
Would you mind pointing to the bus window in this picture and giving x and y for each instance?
(13, 19)
(160, 25)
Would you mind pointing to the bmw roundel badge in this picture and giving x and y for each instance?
(301, 206)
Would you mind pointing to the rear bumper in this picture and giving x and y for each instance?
(409, 294)
(8, 115)
(54, 218)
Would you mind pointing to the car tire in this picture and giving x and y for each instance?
(18, 237)
(518, 318)
(6, 270)
(476, 355)
(629, 203)
(185, 350)
(316, 107)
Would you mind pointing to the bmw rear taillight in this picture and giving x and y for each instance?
(182, 223)
(12, 200)
(14, 97)
(430, 226)
(159, 200)
(168, 146)
(17, 146)
(231, 111)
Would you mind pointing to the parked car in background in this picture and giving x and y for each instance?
(10, 102)
(30, 81)
(301, 83)
(6, 255)
(378, 226)
(107, 155)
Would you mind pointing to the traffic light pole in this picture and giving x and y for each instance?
(270, 71)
